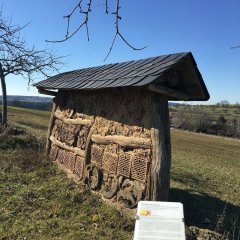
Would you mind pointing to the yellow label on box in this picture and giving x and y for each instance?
(145, 213)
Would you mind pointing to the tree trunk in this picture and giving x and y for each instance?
(161, 155)
(4, 96)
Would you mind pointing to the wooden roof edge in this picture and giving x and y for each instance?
(163, 86)
(203, 86)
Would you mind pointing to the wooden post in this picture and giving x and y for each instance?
(51, 122)
(161, 152)
(87, 158)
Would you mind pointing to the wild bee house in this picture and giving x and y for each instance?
(110, 124)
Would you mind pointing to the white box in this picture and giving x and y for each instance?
(159, 221)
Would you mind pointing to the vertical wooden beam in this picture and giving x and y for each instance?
(161, 152)
(87, 158)
(51, 123)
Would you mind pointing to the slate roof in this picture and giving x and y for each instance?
(132, 73)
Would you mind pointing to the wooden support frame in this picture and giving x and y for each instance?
(87, 157)
(76, 121)
(159, 175)
(51, 123)
(66, 147)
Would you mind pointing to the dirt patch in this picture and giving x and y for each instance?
(205, 234)
(6, 131)
(12, 137)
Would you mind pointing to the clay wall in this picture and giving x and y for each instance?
(104, 137)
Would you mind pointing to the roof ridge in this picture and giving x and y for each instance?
(79, 69)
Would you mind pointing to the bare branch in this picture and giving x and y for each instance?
(86, 13)
(16, 58)
(118, 33)
(131, 46)
(235, 47)
(66, 36)
(110, 49)
(68, 17)
(106, 6)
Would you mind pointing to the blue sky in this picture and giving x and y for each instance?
(207, 28)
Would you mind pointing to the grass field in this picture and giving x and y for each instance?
(38, 201)
(205, 177)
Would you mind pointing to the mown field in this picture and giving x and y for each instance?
(38, 201)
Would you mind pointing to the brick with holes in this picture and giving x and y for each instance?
(78, 168)
(124, 164)
(139, 167)
(110, 162)
(71, 161)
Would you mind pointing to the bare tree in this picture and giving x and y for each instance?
(18, 59)
(84, 7)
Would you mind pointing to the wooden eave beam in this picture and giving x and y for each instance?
(47, 92)
(168, 92)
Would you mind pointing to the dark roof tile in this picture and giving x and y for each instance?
(132, 73)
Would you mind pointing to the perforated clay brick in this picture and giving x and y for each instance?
(78, 168)
(124, 164)
(139, 167)
(110, 162)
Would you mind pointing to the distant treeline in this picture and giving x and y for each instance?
(45, 106)
(221, 120)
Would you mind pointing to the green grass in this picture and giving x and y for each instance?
(38, 201)
(33, 121)
(205, 176)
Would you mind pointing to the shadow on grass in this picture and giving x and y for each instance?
(204, 211)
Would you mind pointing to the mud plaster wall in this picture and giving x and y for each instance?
(110, 112)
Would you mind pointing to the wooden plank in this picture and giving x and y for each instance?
(76, 121)
(62, 145)
(168, 92)
(161, 150)
(51, 122)
(131, 142)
